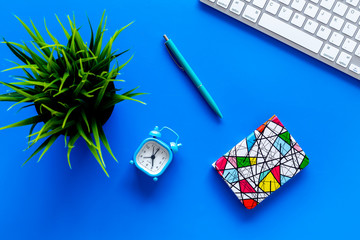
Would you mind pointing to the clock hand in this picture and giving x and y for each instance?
(153, 157)
(156, 151)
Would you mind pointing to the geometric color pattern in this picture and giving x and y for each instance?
(261, 163)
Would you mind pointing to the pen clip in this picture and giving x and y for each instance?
(173, 58)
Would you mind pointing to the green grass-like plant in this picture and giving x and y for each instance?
(71, 87)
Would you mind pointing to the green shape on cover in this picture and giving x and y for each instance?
(286, 137)
(243, 161)
(305, 162)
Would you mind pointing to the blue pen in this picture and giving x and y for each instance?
(175, 53)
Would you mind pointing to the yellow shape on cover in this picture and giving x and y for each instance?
(252, 161)
(269, 183)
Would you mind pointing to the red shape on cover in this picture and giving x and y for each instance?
(249, 203)
(261, 128)
(277, 121)
(220, 165)
(245, 187)
(276, 172)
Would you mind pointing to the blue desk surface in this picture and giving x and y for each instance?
(250, 75)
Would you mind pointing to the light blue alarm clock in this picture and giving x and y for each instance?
(153, 155)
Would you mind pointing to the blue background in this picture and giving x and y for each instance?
(250, 75)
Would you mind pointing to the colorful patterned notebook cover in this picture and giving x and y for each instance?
(261, 163)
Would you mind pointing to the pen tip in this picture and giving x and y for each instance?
(166, 38)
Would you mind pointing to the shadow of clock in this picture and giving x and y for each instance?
(143, 185)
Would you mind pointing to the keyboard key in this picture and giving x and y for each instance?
(349, 29)
(327, 4)
(315, 1)
(259, 3)
(211, 0)
(323, 32)
(340, 8)
(311, 26)
(336, 23)
(252, 14)
(311, 10)
(298, 20)
(223, 3)
(329, 52)
(286, 2)
(349, 45)
(298, 4)
(353, 15)
(357, 37)
(343, 59)
(324, 16)
(272, 7)
(237, 6)
(285, 13)
(291, 33)
(354, 68)
(357, 52)
(353, 2)
(336, 38)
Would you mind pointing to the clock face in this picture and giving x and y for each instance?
(152, 157)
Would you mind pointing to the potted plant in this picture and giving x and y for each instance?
(70, 85)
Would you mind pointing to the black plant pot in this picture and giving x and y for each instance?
(102, 116)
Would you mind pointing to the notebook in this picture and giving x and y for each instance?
(261, 163)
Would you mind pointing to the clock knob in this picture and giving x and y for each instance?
(155, 133)
(175, 147)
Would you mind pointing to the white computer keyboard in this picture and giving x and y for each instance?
(327, 30)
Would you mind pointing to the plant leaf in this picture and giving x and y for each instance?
(45, 128)
(11, 97)
(71, 145)
(64, 29)
(94, 128)
(30, 132)
(25, 122)
(52, 111)
(107, 49)
(98, 37)
(55, 131)
(105, 142)
(86, 137)
(83, 115)
(48, 145)
(119, 98)
(37, 150)
(20, 55)
(95, 154)
(68, 114)
(37, 37)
